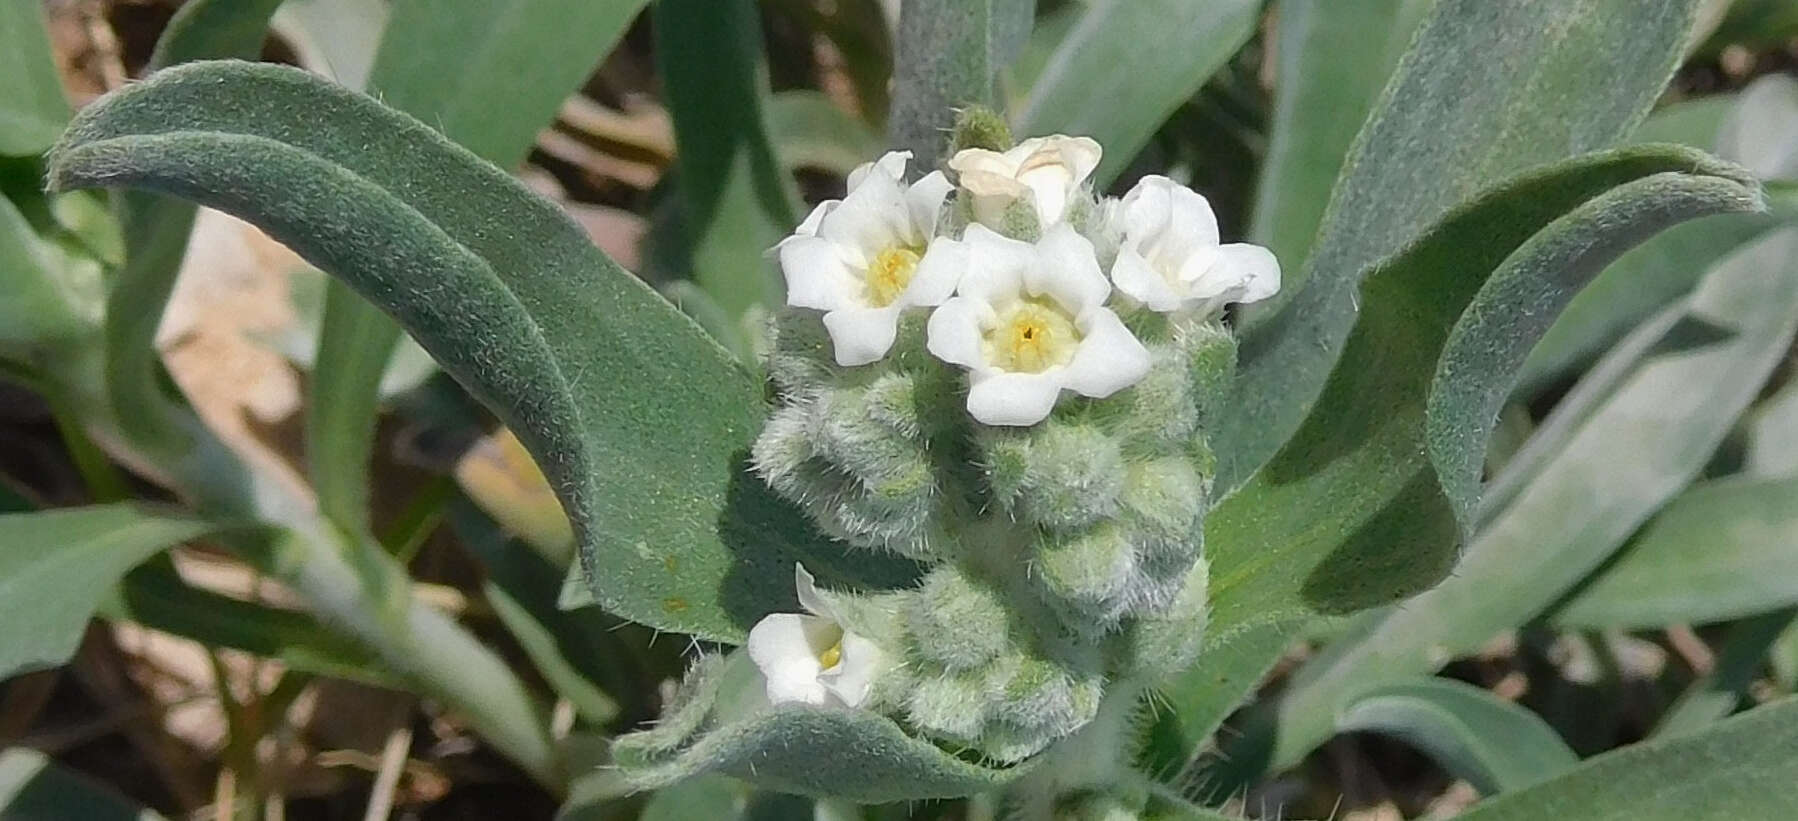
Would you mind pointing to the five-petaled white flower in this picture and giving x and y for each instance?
(1045, 171)
(1028, 321)
(1170, 259)
(866, 258)
(809, 657)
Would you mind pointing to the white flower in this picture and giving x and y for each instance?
(810, 658)
(864, 259)
(1046, 171)
(1169, 258)
(1030, 320)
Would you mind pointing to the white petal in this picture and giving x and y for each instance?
(938, 273)
(1016, 399)
(953, 332)
(1191, 223)
(870, 219)
(817, 277)
(983, 161)
(995, 268)
(925, 201)
(1132, 274)
(891, 164)
(853, 676)
(810, 226)
(1146, 209)
(1258, 268)
(1110, 358)
(1167, 221)
(1067, 270)
(1082, 155)
(809, 597)
(862, 335)
(785, 648)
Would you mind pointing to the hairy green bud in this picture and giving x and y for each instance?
(957, 624)
(980, 127)
(1057, 475)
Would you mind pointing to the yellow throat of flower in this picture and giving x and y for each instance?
(889, 274)
(1032, 336)
(832, 655)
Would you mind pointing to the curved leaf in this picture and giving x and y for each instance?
(1352, 513)
(1739, 661)
(1634, 453)
(1486, 89)
(32, 108)
(641, 423)
(1721, 550)
(1496, 745)
(55, 565)
(1333, 57)
(1127, 65)
(1740, 769)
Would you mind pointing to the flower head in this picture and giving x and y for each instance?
(1028, 321)
(1047, 172)
(866, 258)
(1169, 258)
(810, 657)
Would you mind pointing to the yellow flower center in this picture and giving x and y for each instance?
(1032, 336)
(891, 272)
(832, 656)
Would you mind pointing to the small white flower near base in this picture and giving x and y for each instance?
(866, 258)
(1047, 172)
(1170, 259)
(809, 658)
(1029, 321)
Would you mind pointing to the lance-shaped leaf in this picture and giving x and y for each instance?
(1636, 451)
(1495, 745)
(1486, 90)
(1721, 550)
(641, 423)
(32, 108)
(1742, 768)
(1739, 661)
(55, 566)
(949, 53)
(1127, 65)
(1353, 513)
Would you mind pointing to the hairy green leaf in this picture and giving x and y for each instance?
(32, 108)
(211, 29)
(34, 788)
(1636, 451)
(1486, 89)
(1496, 745)
(641, 423)
(1721, 550)
(736, 199)
(1742, 768)
(55, 565)
(1127, 65)
(948, 56)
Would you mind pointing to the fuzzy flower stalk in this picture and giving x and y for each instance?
(1008, 378)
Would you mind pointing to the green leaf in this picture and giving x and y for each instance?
(1740, 769)
(948, 56)
(34, 788)
(209, 29)
(1353, 513)
(489, 77)
(810, 131)
(32, 108)
(837, 753)
(1753, 128)
(155, 596)
(1636, 451)
(1773, 435)
(55, 566)
(1741, 658)
(1496, 745)
(1333, 58)
(737, 200)
(339, 37)
(641, 423)
(1722, 550)
(1127, 65)
(1486, 89)
(37, 306)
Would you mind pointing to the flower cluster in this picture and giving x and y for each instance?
(1008, 379)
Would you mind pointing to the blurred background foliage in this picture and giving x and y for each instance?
(1610, 595)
